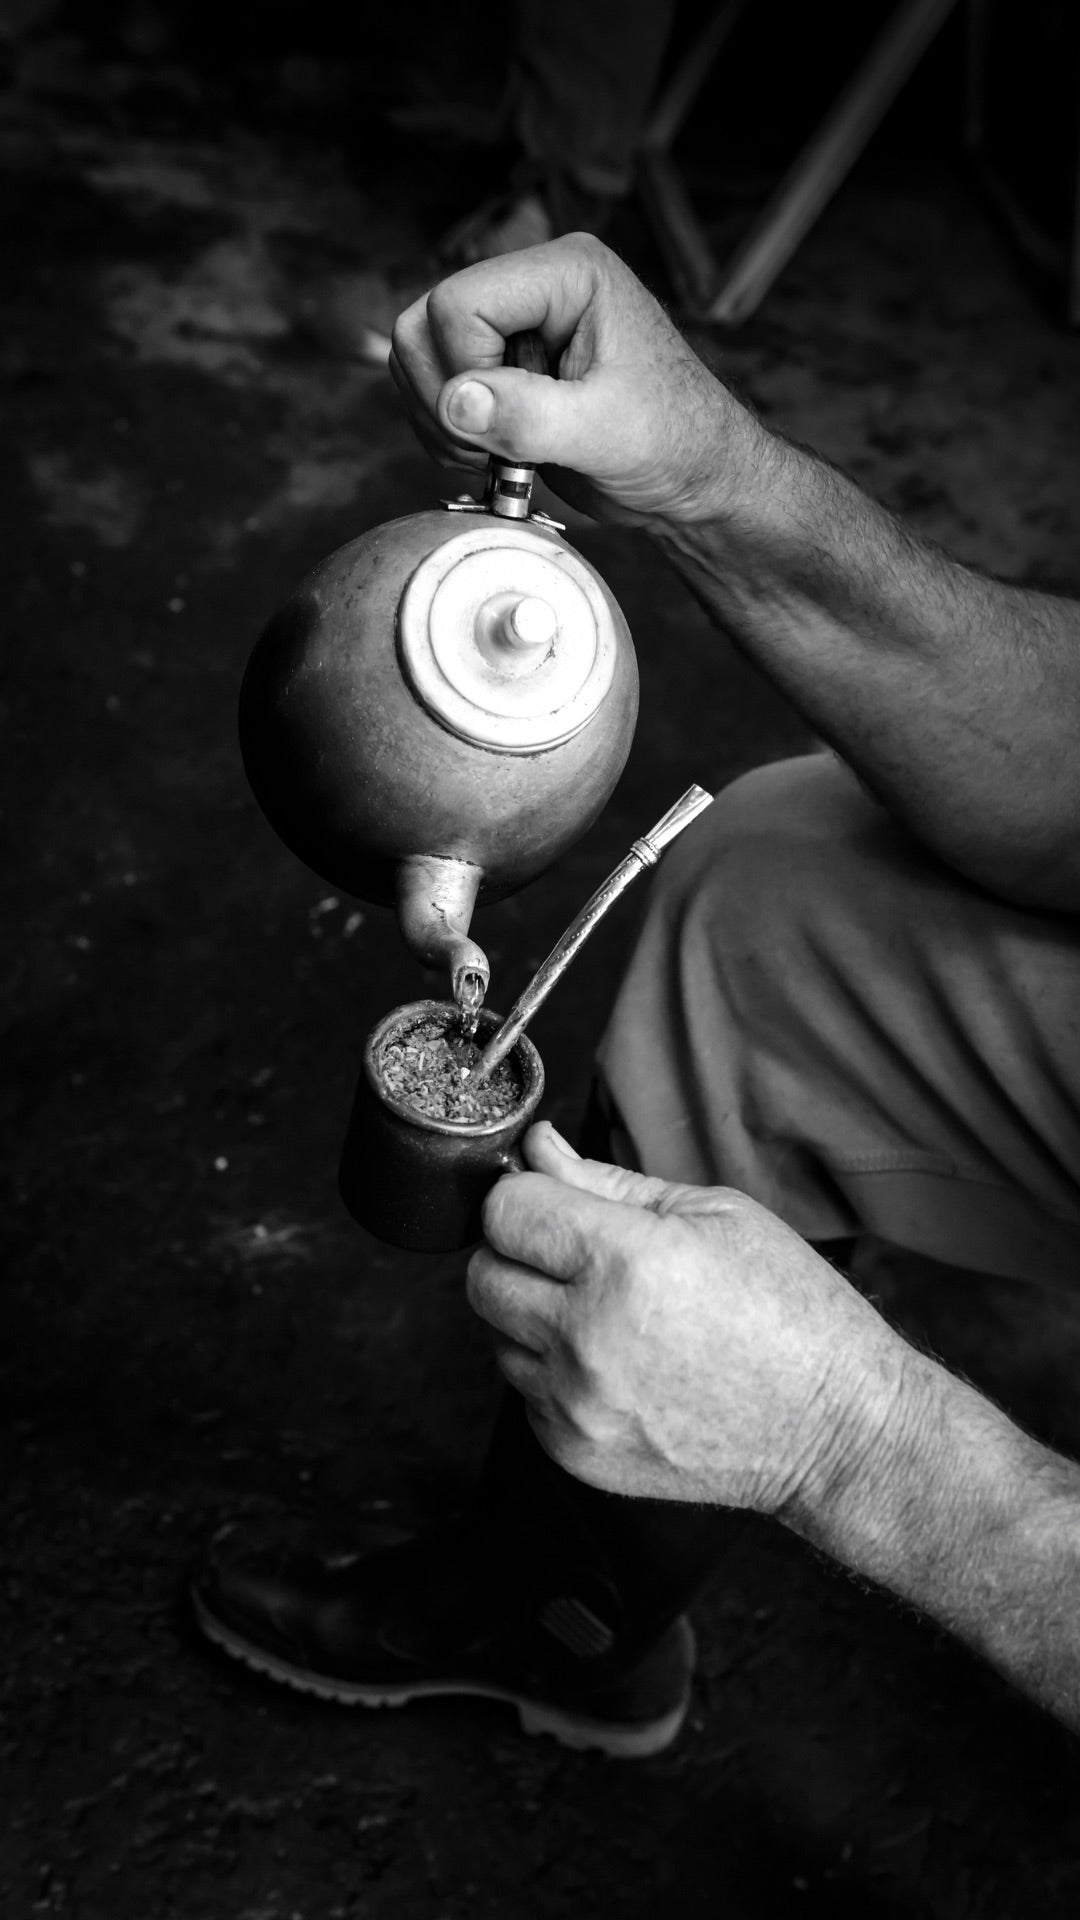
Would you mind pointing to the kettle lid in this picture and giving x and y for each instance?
(507, 638)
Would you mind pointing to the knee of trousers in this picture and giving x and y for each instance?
(818, 1012)
(781, 862)
(737, 997)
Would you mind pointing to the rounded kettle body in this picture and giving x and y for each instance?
(410, 699)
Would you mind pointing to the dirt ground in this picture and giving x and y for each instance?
(195, 1331)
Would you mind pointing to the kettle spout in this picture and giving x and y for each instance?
(435, 899)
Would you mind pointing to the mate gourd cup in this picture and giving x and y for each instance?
(418, 1181)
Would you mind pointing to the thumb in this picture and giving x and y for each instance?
(547, 1152)
(522, 416)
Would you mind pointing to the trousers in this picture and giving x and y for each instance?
(818, 1012)
(821, 1014)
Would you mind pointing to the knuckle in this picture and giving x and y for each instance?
(732, 1205)
(584, 1345)
(475, 1281)
(441, 305)
(485, 1287)
(512, 1365)
(411, 322)
(493, 1211)
(643, 1190)
(586, 1359)
(583, 242)
(584, 1418)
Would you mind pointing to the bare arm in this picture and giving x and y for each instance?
(680, 1342)
(954, 697)
(961, 1514)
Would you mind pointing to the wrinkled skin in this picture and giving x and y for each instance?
(678, 1341)
(630, 428)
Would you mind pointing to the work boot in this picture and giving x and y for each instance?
(457, 1612)
(564, 1601)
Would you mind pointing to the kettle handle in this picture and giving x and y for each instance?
(509, 484)
(527, 352)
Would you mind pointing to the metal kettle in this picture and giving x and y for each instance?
(441, 709)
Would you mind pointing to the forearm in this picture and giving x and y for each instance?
(956, 698)
(973, 1523)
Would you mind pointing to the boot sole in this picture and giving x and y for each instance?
(618, 1740)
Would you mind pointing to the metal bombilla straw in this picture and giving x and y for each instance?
(643, 854)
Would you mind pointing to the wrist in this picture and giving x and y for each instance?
(756, 532)
(867, 1494)
(937, 1497)
(724, 472)
(968, 1519)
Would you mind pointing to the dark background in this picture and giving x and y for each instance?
(194, 1332)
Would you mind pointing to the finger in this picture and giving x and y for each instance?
(524, 1372)
(547, 1152)
(561, 1440)
(435, 441)
(413, 354)
(446, 453)
(555, 1227)
(529, 416)
(471, 315)
(543, 1141)
(460, 330)
(517, 1301)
